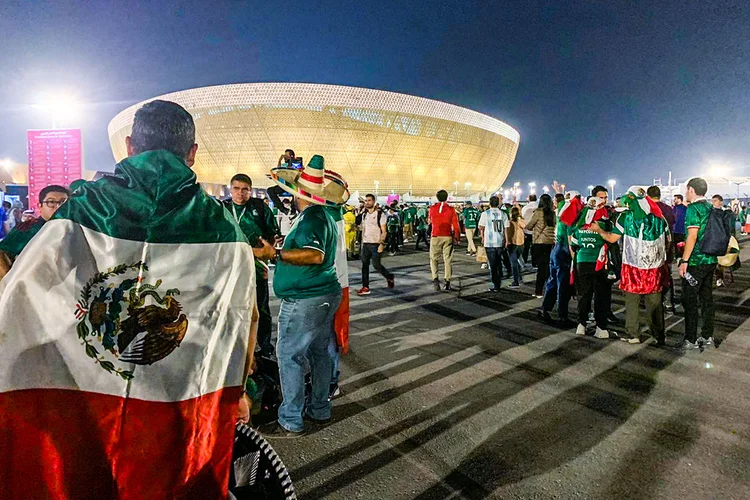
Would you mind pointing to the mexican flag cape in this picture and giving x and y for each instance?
(125, 328)
(341, 319)
(644, 239)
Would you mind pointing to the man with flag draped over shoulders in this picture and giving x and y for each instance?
(644, 232)
(127, 331)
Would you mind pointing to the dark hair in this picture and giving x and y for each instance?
(494, 201)
(468, 202)
(515, 213)
(598, 189)
(545, 204)
(370, 196)
(718, 197)
(559, 197)
(699, 185)
(532, 197)
(442, 195)
(53, 188)
(7, 204)
(242, 178)
(163, 125)
(290, 151)
(654, 192)
(682, 198)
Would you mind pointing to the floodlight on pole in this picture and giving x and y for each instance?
(545, 189)
(612, 184)
(60, 106)
(590, 187)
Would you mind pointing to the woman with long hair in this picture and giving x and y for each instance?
(542, 225)
(515, 243)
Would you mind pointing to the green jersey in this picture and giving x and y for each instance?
(410, 214)
(314, 228)
(254, 223)
(471, 217)
(561, 231)
(589, 244)
(393, 223)
(20, 236)
(697, 216)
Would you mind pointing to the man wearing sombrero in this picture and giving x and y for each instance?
(308, 286)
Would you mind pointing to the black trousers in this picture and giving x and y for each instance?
(393, 241)
(422, 236)
(369, 254)
(527, 239)
(542, 252)
(265, 321)
(700, 295)
(506, 263)
(593, 284)
(494, 262)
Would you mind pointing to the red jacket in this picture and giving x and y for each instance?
(444, 221)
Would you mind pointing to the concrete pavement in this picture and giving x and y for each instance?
(468, 395)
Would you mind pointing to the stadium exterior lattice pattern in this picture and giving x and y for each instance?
(405, 144)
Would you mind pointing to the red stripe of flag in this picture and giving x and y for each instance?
(105, 446)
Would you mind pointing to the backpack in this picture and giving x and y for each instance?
(718, 229)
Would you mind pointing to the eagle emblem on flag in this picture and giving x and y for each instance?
(131, 321)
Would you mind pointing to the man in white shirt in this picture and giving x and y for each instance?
(493, 224)
(372, 222)
(527, 212)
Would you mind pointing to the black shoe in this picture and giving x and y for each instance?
(670, 308)
(447, 286)
(612, 318)
(566, 323)
(317, 422)
(436, 284)
(276, 430)
(544, 316)
(494, 290)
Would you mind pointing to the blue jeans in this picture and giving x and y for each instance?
(515, 253)
(557, 288)
(305, 331)
(495, 263)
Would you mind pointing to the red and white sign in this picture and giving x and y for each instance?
(55, 157)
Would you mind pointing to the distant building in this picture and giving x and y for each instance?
(379, 141)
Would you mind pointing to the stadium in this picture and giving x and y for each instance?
(381, 142)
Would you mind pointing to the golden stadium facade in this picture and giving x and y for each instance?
(379, 141)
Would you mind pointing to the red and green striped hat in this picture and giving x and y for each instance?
(314, 183)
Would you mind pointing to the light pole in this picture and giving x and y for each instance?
(467, 186)
(590, 187)
(455, 191)
(545, 189)
(377, 185)
(612, 183)
(60, 106)
(532, 187)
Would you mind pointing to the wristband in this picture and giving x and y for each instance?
(278, 255)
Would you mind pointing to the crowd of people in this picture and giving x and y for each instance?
(580, 246)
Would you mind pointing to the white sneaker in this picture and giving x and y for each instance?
(581, 330)
(601, 334)
(484, 266)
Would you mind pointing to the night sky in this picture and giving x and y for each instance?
(597, 89)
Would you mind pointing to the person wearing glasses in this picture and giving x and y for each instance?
(52, 197)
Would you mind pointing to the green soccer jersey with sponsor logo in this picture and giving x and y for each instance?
(697, 216)
(314, 228)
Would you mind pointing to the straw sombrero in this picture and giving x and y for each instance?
(314, 183)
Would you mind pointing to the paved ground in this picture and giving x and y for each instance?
(467, 395)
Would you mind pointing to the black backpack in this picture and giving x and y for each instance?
(718, 229)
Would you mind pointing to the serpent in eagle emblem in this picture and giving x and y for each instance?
(133, 321)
